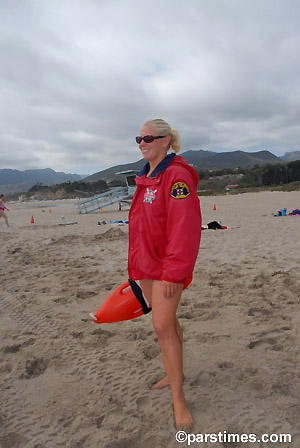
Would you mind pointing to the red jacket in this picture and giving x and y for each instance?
(165, 222)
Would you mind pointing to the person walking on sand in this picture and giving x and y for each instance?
(2, 209)
(164, 239)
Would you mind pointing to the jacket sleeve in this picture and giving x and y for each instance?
(183, 227)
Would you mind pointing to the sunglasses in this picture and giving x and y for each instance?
(148, 138)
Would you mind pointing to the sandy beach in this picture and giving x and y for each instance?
(67, 382)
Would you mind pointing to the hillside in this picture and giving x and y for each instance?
(291, 156)
(202, 160)
(12, 181)
(110, 173)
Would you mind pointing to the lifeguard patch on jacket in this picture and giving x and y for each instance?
(180, 190)
(149, 196)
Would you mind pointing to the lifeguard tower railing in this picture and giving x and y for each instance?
(89, 205)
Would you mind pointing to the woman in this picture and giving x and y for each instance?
(164, 238)
(2, 209)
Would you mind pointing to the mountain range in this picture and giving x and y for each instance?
(14, 181)
(291, 156)
(201, 160)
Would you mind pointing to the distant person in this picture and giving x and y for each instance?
(2, 209)
(164, 238)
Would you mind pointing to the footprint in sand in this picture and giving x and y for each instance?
(35, 367)
(150, 352)
(259, 311)
(203, 379)
(143, 403)
(282, 389)
(267, 342)
(13, 440)
(225, 365)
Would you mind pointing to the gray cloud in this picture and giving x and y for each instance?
(78, 78)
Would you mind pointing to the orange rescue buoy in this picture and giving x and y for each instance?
(126, 302)
(121, 304)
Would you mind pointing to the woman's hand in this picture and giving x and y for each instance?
(171, 289)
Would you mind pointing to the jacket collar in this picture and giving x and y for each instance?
(160, 167)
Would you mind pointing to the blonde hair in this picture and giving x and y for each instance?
(163, 128)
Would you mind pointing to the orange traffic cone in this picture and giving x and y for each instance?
(32, 220)
(214, 208)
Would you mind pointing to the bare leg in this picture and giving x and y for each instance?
(147, 286)
(164, 382)
(3, 215)
(166, 328)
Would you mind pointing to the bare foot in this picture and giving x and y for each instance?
(183, 417)
(161, 384)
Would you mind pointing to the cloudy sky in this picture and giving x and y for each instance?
(79, 77)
